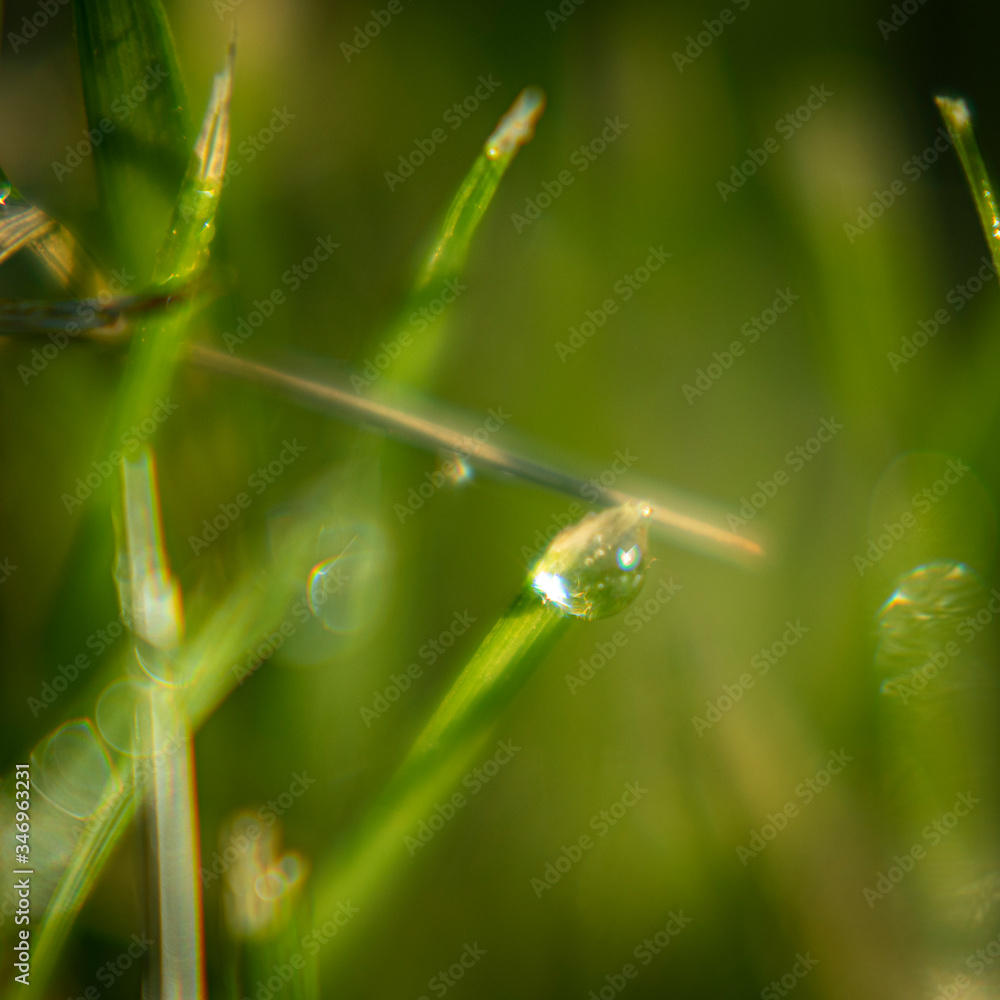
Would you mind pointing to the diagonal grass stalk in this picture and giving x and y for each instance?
(685, 528)
(958, 120)
(450, 246)
(499, 670)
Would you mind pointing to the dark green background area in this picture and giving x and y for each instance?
(655, 185)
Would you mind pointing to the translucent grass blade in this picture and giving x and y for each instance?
(126, 53)
(465, 213)
(451, 245)
(148, 593)
(958, 120)
(256, 604)
(23, 225)
(150, 600)
(181, 942)
(92, 850)
(182, 257)
(686, 528)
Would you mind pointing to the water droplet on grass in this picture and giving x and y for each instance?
(123, 717)
(921, 620)
(344, 590)
(72, 770)
(595, 568)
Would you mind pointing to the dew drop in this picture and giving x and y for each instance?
(455, 468)
(595, 568)
(71, 769)
(921, 617)
(343, 590)
(124, 719)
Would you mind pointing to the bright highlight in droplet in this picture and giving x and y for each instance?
(629, 558)
(552, 588)
(594, 568)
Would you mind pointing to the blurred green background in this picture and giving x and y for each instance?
(656, 184)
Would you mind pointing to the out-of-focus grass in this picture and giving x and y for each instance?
(827, 357)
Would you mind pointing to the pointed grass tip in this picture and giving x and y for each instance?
(517, 126)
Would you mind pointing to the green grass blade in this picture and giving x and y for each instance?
(514, 129)
(203, 668)
(959, 123)
(135, 101)
(377, 848)
(451, 245)
(181, 259)
(586, 562)
(99, 839)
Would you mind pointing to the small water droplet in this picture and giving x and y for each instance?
(344, 590)
(921, 617)
(124, 719)
(455, 468)
(595, 568)
(281, 878)
(71, 769)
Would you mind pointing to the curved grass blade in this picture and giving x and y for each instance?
(958, 120)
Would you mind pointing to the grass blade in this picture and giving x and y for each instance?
(202, 665)
(514, 129)
(959, 123)
(182, 258)
(451, 245)
(135, 101)
(151, 601)
(686, 528)
(586, 559)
